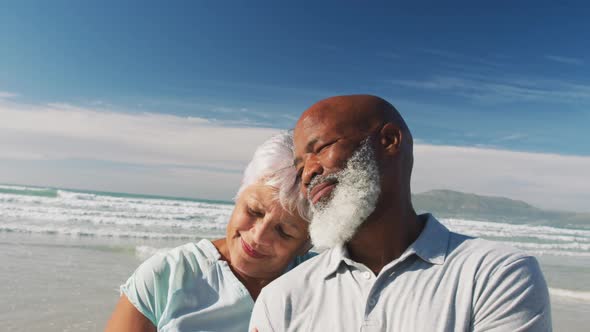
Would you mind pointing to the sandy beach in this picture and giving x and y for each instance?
(70, 284)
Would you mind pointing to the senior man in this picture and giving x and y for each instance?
(387, 268)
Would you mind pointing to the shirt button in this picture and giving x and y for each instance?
(372, 302)
(367, 275)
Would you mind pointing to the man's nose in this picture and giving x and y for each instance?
(311, 169)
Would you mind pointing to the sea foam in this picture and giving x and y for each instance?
(570, 294)
(64, 212)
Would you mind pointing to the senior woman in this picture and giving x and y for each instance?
(211, 286)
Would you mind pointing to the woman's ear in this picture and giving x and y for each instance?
(390, 138)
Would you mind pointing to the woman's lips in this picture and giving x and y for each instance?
(321, 190)
(250, 251)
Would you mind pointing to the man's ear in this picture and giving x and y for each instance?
(391, 138)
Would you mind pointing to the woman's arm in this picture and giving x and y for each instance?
(127, 318)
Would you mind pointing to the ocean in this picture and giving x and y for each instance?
(65, 252)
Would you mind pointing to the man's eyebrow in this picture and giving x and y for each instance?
(308, 148)
(310, 144)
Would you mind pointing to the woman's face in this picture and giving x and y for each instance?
(262, 238)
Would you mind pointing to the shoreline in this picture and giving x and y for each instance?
(58, 283)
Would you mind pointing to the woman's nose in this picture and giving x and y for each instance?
(261, 232)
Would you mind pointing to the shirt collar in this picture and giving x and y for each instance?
(433, 242)
(336, 256)
(209, 250)
(431, 246)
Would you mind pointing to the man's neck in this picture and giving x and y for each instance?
(384, 237)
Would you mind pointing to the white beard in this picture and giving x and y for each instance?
(335, 221)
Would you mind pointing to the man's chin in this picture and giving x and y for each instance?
(327, 237)
(321, 204)
(329, 228)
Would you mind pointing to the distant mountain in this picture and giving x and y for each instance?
(454, 204)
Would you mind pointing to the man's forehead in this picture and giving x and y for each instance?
(317, 120)
(310, 129)
(313, 116)
(317, 125)
(338, 114)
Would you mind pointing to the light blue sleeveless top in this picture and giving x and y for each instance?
(190, 288)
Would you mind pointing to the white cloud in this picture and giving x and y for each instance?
(512, 137)
(150, 179)
(491, 91)
(60, 131)
(67, 146)
(563, 59)
(461, 58)
(388, 55)
(6, 95)
(546, 180)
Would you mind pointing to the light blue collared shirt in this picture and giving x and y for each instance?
(190, 288)
(443, 282)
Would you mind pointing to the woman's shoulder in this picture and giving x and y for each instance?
(193, 257)
(163, 281)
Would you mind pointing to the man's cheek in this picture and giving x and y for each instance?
(337, 160)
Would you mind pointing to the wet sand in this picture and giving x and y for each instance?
(53, 283)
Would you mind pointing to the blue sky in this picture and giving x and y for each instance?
(503, 75)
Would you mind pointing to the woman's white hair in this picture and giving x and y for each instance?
(272, 165)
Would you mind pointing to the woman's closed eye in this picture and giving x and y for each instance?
(255, 212)
(282, 232)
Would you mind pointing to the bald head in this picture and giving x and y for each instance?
(363, 112)
(328, 133)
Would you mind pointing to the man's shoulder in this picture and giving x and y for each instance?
(307, 273)
(502, 277)
(465, 249)
(484, 254)
(481, 247)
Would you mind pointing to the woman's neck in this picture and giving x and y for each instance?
(253, 285)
